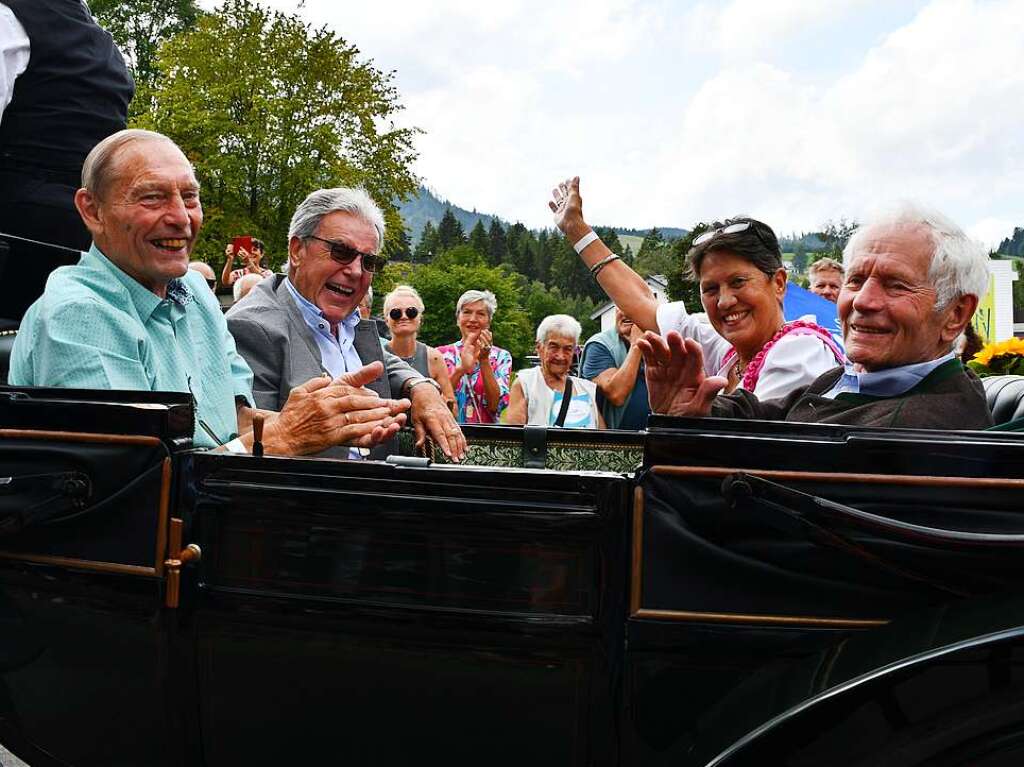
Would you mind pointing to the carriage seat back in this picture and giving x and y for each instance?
(1005, 397)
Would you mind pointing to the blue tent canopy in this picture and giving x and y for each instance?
(800, 302)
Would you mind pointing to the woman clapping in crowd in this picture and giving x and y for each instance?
(403, 311)
(742, 283)
(481, 390)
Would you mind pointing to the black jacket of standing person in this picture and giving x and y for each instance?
(72, 92)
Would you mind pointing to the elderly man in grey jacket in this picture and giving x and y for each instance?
(294, 327)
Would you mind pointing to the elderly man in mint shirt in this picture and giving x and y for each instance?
(131, 316)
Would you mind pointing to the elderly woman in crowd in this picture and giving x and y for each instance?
(548, 395)
(403, 311)
(481, 390)
(738, 264)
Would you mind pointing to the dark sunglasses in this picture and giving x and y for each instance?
(346, 254)
(411, 312)
(212, 284)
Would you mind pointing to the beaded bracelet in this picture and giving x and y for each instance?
(596, 268)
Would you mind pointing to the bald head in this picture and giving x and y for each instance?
(100, 167)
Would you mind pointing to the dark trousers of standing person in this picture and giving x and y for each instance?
(37, 204)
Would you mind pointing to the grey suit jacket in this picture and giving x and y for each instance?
(273, 337)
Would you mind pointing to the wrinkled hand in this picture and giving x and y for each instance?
(483, 345)
(635, 334)
(567, 206)
(322, 413)
(676, 384)
(430, 415)
(470, 352)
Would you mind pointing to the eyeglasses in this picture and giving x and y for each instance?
(411, 312)
(346, 254)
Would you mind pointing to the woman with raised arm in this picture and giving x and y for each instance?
(481, 390)
(738, 265)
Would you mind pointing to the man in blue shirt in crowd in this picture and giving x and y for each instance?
(613, 361)
(131, 315)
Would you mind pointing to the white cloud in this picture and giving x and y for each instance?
(932, 113)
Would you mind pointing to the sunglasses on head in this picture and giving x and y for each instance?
(411, 312)
(346, 254)
(739, 226)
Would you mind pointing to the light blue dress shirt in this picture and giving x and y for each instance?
(95, 327)
(884, 383)
(337, 353)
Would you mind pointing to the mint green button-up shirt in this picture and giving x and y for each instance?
(97, 328)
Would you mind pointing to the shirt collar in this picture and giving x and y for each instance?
(314, 317)
(145, 301)
(890, 382)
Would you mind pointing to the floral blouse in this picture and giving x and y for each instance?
(469, 396)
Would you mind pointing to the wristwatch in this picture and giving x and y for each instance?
(407, 388)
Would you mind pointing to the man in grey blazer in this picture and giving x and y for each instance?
(295, 327)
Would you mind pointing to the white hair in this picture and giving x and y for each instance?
(472, 296)
(403, 290)
(98, 170)
(560, 325)
(959, 265)
(323, 202)
(244, 284)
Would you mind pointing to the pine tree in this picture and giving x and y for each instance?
(498, 250)
(449, 231)
(479, 240)
(398, 247)
(428, 246)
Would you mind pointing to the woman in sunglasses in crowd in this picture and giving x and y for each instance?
(481, 390)
(738, 265)
(403, 311)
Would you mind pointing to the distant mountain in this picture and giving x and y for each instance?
(429, 206)
(812, 242)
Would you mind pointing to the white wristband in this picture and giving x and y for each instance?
(585, 240)
(236, 446)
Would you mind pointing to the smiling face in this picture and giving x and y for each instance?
(742, 303)
(150, 215)
(335, 288)
(887, 304)
(827, 284)
(473, 318)
(555, 354)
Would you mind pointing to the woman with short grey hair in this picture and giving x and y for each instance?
(547, 395)
(481, 390)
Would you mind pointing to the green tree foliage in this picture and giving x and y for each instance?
(449, 231)
(799, 258)
(268, 109)
(428, 246)
(139, 27)
(498, 250)
(835, 235)
(398, 247)
(479, 240)
(681, 285)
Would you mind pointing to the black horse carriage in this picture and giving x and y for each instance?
(706, 593)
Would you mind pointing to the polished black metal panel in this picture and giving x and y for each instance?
(439, 611)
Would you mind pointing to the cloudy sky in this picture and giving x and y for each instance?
(795, 111)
